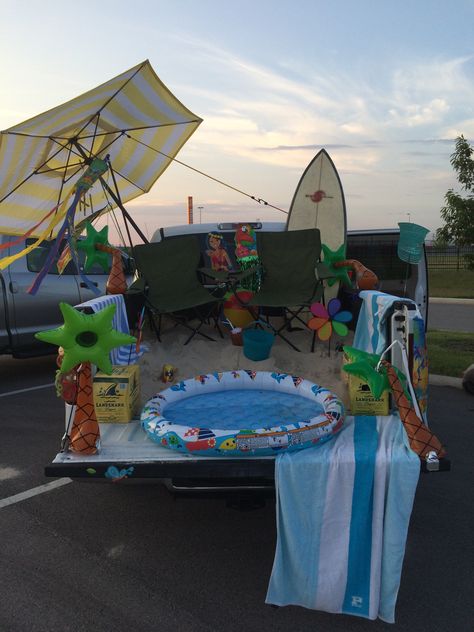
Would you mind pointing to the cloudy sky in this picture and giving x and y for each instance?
(385, 87)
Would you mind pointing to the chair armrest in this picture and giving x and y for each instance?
(228, 276)
(137, 287)
(322, 271)
(219, 275)
(243, 274)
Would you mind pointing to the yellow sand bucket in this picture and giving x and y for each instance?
(239, 317)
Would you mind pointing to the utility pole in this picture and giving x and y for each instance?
(190, 210)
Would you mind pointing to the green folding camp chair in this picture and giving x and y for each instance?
(291, 275)
(170, 285)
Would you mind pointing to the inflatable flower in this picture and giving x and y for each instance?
(324, 320)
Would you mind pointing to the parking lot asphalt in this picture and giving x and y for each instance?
(451, 315)
(107, 557)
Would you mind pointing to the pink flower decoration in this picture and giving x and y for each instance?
(327, 320)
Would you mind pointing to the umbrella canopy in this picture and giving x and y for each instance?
(133, 119)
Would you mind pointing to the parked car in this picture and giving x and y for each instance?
(22, 315)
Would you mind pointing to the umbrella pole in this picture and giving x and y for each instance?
(118, 202)
(128, 231)
(114, 196)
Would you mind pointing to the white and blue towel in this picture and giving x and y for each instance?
(343, 510)
(125, 354)
(371, 333)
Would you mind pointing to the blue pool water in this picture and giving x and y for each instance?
(228, 410)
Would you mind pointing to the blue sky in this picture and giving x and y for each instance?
(385, 87)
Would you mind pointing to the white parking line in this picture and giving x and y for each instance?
(25, 390)
(35, 491)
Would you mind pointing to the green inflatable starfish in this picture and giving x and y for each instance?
(364, 366)
(334, 256)
(86, 337)
(88, 245)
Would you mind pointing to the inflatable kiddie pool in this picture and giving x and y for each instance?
(242, 413)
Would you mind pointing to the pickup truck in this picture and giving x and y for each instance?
(21, 314)
(125, 449)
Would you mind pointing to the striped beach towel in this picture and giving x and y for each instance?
(372, 335)
(371, 330)
(343, 510)
(127, 353)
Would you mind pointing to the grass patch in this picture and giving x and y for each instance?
(451, 283)
(449, 353)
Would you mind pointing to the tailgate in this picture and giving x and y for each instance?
(127, 453)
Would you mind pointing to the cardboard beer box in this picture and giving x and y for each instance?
(117, 396)
(362, 402)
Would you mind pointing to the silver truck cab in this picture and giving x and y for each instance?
(21, 314)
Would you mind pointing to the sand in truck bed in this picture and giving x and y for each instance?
(201, 356)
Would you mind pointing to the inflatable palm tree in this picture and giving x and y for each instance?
(380, 375)
(85, 339)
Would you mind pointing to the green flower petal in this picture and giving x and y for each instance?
(340, 328)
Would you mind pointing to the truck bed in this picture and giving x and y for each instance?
(126, 452)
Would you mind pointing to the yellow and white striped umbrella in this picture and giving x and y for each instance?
(133, 118)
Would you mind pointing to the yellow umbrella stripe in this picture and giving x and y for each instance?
(166, 141)
(6, 261)
(121, 115)
(24, 221)
(34, 201)
(166, 95)
(63, 120)
(18, 160)
(143, 166)
(146, 97)
(71, 111)
(36, 189)
(146, 103)
(71, 120)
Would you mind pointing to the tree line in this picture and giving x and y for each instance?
(458, 210)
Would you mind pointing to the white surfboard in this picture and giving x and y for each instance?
(319, 202)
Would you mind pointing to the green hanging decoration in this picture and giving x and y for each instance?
(88, 245)
(247, 256)
(96, 169)
(334, 256)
